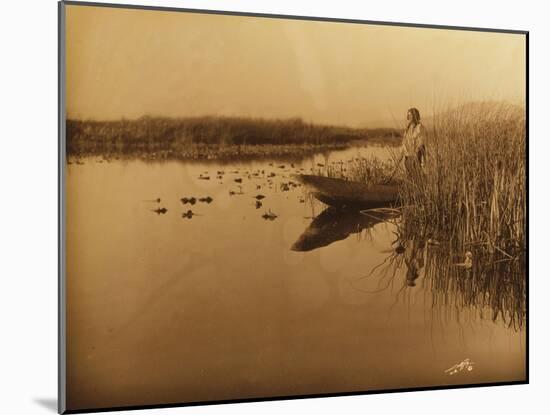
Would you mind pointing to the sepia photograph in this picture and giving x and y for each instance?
(269, 207)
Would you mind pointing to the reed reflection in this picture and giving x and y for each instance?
(475, 278)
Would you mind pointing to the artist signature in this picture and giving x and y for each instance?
(466, 364)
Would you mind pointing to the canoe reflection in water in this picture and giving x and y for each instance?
(334, 225)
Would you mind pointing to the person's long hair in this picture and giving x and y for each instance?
(415, 119)
(415, 116)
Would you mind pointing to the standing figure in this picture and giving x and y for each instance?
(413, 145)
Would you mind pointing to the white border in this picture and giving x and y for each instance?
(28, 222)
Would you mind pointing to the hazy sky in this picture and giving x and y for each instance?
(129, 63)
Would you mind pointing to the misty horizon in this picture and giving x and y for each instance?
(396, 124)
(125, 63)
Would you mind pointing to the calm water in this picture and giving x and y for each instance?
(164, 308)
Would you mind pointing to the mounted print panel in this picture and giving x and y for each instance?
(258, 207)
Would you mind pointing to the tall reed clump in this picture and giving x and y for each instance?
(471, 195)
(472, 187)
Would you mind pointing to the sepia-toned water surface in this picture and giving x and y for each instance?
(231, 302)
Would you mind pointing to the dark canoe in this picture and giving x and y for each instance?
(341, 193)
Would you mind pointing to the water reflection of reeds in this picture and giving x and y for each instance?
(493, 288)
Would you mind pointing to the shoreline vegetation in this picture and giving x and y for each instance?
(212, 138)
(470, 197)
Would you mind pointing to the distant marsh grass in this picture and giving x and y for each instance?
(209, 137)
